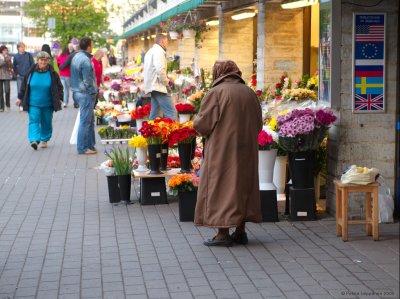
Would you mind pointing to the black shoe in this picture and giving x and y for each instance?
(240, 238)
(226, 242)
(76, 105)
(34, 145)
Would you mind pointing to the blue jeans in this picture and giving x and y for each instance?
(162, 101)
(86, 138)
(20, 80)
(65, 81)
(40, 123)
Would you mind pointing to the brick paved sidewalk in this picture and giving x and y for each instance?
(60, 238)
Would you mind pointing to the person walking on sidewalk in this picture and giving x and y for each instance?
(224, 198)
(41, 94)
(156, 80)
(53, 62)
(83, 83)
(22, 63)
(73, 49)
(65, 75)
(6, 74)
(98, 70)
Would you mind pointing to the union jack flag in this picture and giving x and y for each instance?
(368, 102)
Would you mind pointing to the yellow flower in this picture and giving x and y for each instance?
(137, 141)
(272, 123)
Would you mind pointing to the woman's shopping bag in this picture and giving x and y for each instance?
(74, 136)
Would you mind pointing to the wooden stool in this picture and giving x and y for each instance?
(371, 214)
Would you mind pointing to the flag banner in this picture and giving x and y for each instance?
(368, 62)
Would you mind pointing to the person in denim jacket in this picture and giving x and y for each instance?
(83, 85)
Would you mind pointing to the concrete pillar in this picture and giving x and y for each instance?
(220, 30)
(260, 44)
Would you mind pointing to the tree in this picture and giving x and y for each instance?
(74, 18)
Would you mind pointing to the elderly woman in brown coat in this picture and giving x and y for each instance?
(230, 118)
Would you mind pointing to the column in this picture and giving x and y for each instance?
(220, 30)
(260, 44)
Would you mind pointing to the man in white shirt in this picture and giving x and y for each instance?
(155, 79)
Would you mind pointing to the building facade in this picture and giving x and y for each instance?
(298, 41)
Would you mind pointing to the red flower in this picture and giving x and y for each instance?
(141, 112)
(182, 108)
(258, 92)
(106, 78)
(253, 82)
(283, 77)
(278, 85)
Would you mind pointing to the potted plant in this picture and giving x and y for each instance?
(123, 165)
(186, 186)
(112, 182)
(184, 136)
(141, 113)
(173, 26)
(154, 132)
(140, 143)
(185, 111)
(301, 131)
(267, 140)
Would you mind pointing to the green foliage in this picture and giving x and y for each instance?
(74, 18)
(173, 65)
(121, 161)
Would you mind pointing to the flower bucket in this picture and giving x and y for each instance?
(124, 184)
(187, 205)
(173, 35)
(164, 156)
(141, 154)
(266, 162)
(301, 165)
(188, 33)
(139, 123)
(185, 152)
(184, 117)
(131, 106)
(155, 158)
(113, 189)
(280, 174)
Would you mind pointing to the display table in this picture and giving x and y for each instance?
(114, 141)
(152, 187)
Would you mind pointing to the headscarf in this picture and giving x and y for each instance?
(225, 67)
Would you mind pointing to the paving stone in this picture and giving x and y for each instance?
(60, 238)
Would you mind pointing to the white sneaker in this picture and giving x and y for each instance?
(43, 144)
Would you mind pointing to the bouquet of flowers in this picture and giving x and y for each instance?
(156, 131)
(195, 99)
(185, 133)
(183, 182)
(280, 86)
(303, 130)
(299, 94)
(267, 139)
(121, 160)
(141, 112)
(137, 141)
(184, 108)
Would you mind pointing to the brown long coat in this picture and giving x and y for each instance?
(230, 118)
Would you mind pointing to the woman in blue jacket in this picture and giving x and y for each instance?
(41, 94)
